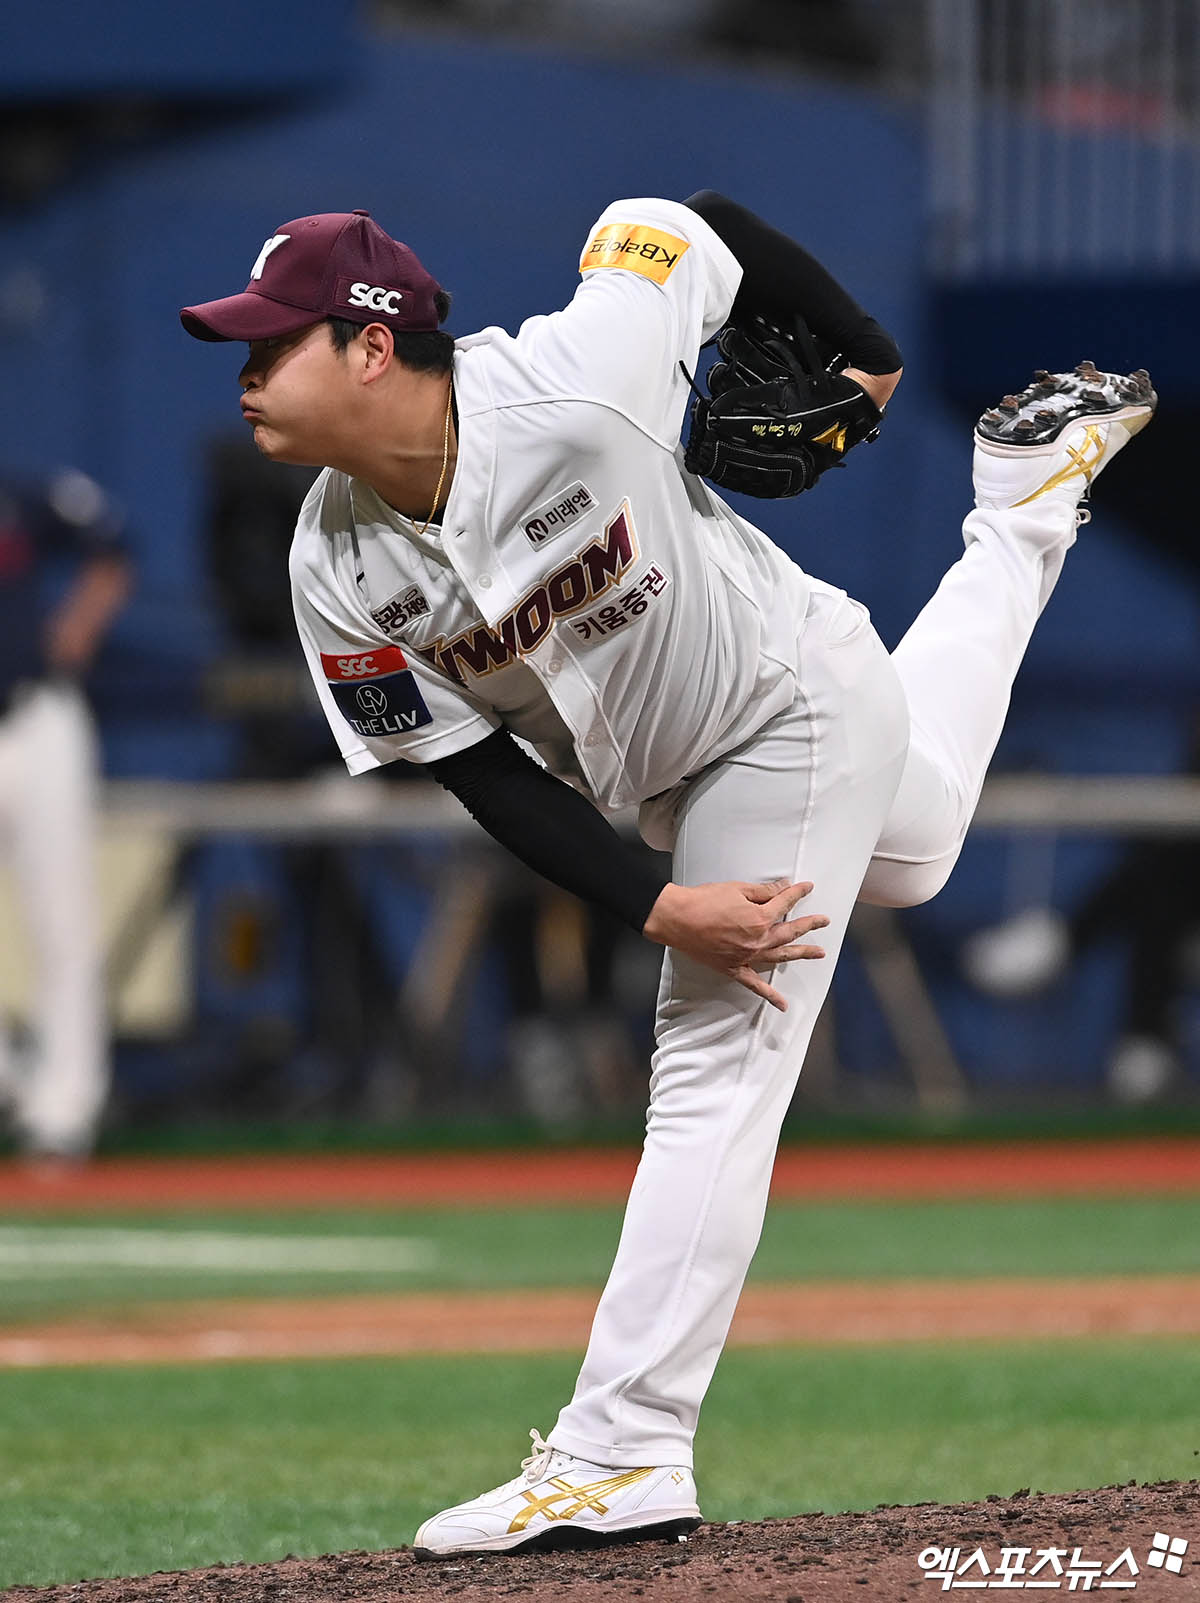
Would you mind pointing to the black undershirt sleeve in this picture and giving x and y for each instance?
(550, 827)
(779, 277)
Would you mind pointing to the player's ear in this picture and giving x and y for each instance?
(378, 351)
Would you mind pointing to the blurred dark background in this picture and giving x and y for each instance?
(1006, 184)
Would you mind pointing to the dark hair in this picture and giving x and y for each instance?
(429, 351)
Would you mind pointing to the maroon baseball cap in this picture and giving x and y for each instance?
(337, 264)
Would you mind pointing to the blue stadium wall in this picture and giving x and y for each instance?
(492, 162)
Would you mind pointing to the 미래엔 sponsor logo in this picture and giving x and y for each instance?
(554, 515)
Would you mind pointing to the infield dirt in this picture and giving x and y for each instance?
(542, 1320)
(813, 1558)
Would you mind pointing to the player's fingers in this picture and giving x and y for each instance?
(781, 934)
(764, 890)
(787, 954)
(752, 982)
(784, 900)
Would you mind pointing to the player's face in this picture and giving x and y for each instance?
(294, 395)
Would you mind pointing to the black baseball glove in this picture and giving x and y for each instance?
(776, 416)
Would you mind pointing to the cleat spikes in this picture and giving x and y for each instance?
(1039, 415)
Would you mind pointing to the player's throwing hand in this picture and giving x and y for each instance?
(736, 928)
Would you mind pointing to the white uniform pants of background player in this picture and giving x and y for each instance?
(47, 821)
(866, 787)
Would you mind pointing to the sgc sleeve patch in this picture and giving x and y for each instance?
(375, 691)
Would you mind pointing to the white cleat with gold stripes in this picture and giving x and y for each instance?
(559, 1501)
(1053, 439)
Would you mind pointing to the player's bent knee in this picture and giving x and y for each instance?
(889, 883)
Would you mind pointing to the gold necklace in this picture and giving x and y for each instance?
(437, 494)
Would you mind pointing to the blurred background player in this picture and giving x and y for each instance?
(1150, 901)
(64, 573)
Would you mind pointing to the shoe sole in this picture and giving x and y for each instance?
(1035, 419)
(1045, 445)
(565, 1537)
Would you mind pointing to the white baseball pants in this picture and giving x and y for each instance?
(48, 774)
(865, 786)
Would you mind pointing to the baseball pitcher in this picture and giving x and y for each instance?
(509, 539)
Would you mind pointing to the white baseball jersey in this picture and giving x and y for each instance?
(584, 591)
(589, 595)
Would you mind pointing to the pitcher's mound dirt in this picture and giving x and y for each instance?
(809, 1559)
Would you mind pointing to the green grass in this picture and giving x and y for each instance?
(514, 1247)
(124, 1471)
(121, 1471)
(1033, 1116)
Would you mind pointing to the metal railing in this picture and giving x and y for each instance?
(346, 810)
(1033, 808)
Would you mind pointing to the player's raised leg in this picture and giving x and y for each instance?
(1036, 456)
